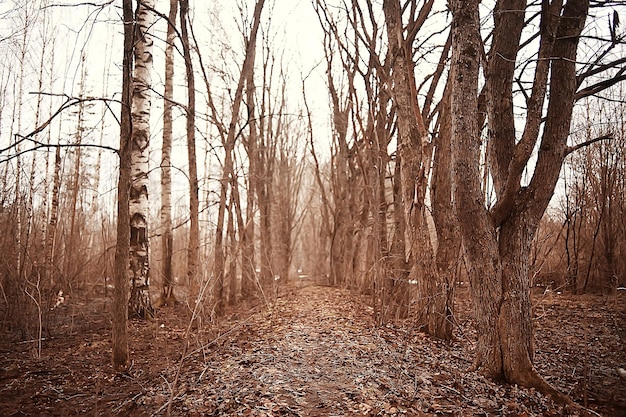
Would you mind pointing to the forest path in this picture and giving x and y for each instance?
(314, 351)
(317, 353)
(322, 354)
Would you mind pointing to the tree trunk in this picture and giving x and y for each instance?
(227, 171)
(248, 269)
(121, 357)
(231, 277)
(498, 242)
(478, 234)
(193, 249)
(139, 303)
(446, 223)
(167, 236)
(71, 246)
(413, 150)
(341, 246)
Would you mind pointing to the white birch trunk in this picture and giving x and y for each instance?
(139, 303)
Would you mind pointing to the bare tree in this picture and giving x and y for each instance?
(121, 355)
(594, 206)
(193, 248)
(498, 237)
(167, 235)
(227, 171)
(139, 303)
(448, 250)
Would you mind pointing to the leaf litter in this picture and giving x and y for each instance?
(316, 351)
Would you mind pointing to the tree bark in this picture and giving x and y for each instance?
(249, 281)
(341, 245)
(140, 304)
(478, 233)
(167, 236)
(498, 242)
(448, 236)
(414, 156)
(193, 248)
(120, 353)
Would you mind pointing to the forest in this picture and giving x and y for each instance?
(313, 208)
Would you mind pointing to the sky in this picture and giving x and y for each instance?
(66, 34)
(79, 46)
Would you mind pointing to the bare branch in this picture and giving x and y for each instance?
(574, 148)
(599, 69)
(86, 3)
(41, 145)
(69, 102)
(602, 85)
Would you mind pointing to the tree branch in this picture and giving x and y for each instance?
(602, 85)
(50, 145)
(574, 148)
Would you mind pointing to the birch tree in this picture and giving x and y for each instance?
(139, 303)
(131, 250)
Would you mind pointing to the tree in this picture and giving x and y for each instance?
(414, 155)
(167, 235)
(229, 144)
(593, 206)
(193, 249)
(139, 302)
(121, 356)
(448, 237)
(341, 199)
(498, 235)
(131, 250)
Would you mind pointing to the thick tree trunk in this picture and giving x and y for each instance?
(498, 243)
(479, 236)
(414, 156)
(515, 321)
(140, 304)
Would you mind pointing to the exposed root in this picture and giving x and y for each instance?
(532, 379)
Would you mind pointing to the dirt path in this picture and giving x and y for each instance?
(318, 354)
(314, 352)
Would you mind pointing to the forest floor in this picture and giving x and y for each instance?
(315, 351)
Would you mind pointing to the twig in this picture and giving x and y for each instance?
(165, 404)
(221, 336)
(469, 400)
(593, 412)
(184, 355)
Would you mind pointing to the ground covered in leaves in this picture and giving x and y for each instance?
(314, 351)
